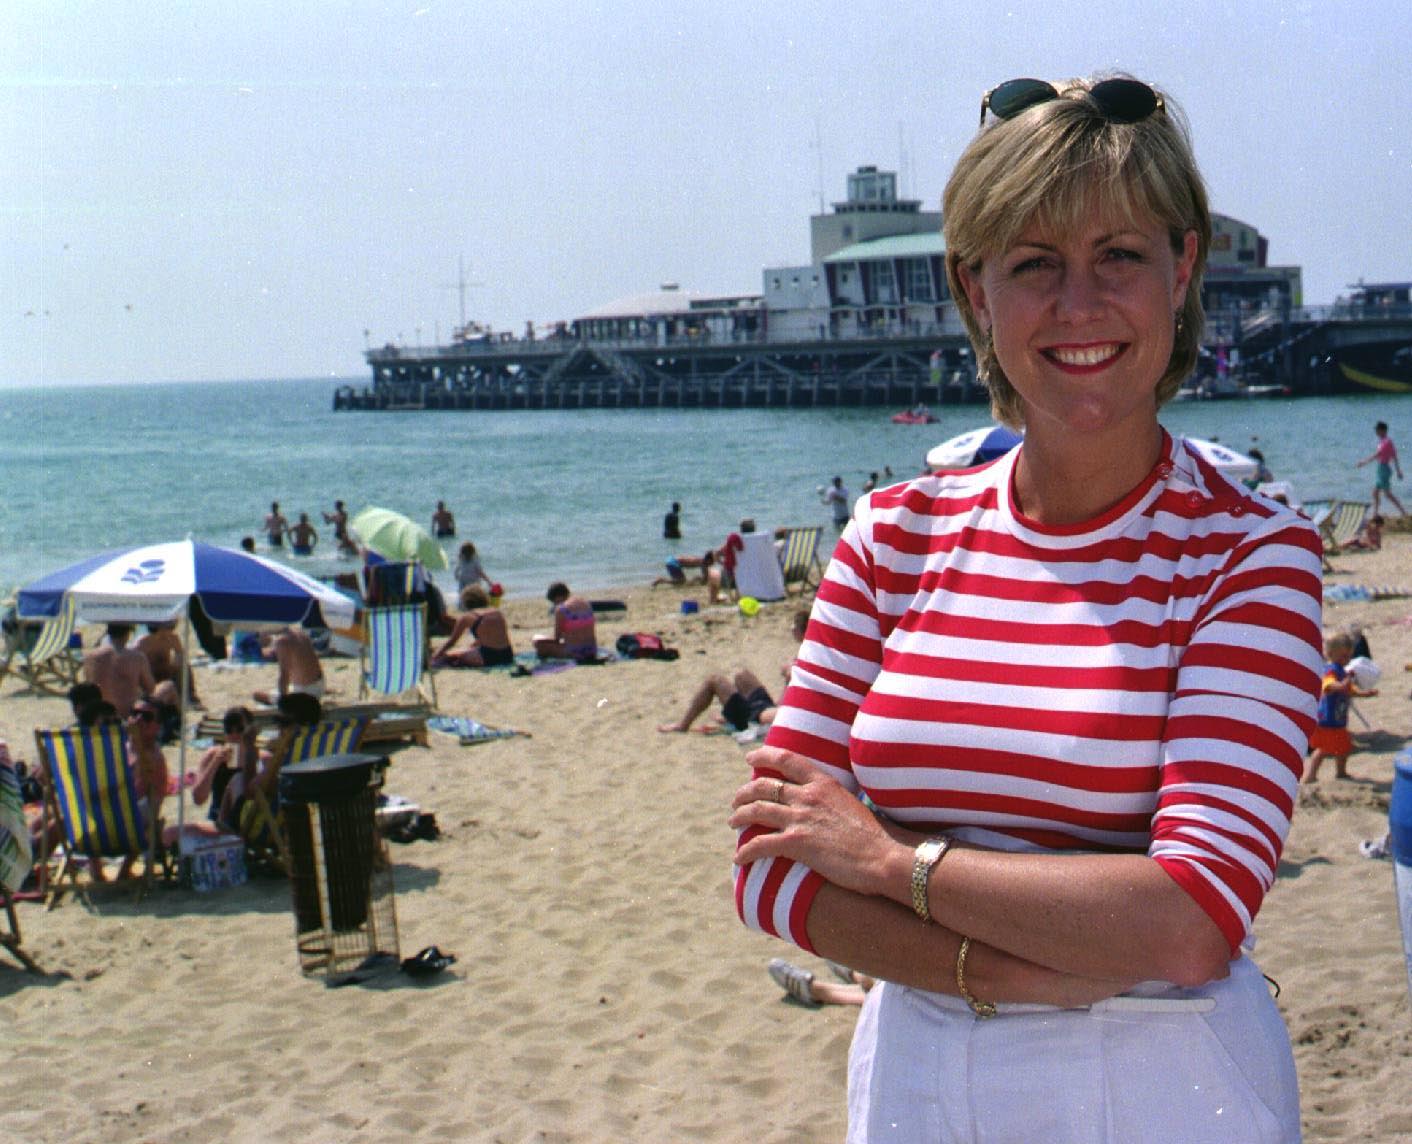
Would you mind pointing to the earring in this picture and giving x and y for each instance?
(1180, 321)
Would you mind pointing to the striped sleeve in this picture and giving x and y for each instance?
(837, 663)
(1237, 729)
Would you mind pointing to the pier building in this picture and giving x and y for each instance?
(870, 321)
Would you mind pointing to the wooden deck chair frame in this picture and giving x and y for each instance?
(46, 664)
(89, 791)
(14, 860)
(10, 940)
(261, 825)
(800, 560)
(396, 653)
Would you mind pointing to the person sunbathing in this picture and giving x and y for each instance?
(1370, 536)
(490, 636)
(850, 989)
(677, 565)
(743, 697)
(575, 634)
(299, 669)
(226, 770)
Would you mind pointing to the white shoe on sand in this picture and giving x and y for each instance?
(798, 983)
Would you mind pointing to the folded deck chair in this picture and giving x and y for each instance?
(395, 653)
(1342, 524)
(261, 823)
(89, 791)
(800, 558)
(41, 654)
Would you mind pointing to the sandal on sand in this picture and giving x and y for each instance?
(798, 983)
(428, 962)
(1373, 848)
(842, 972)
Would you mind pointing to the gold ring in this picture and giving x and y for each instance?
(779, 790)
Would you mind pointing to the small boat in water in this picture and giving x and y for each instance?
(917, 415)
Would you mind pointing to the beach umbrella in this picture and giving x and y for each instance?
(155, 583)
(396, 537)
(158, 582)
(1228, 461)
(973, 448)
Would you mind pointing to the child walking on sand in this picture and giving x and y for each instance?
(1331, 739)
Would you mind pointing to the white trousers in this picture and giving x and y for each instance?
(1207, 1066)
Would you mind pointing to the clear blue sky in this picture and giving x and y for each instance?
(196, 191)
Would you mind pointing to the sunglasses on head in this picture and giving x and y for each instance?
(1120, 100)
(146, 714)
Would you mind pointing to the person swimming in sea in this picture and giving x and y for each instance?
(443, 524)
(275, 526)
(302, 537)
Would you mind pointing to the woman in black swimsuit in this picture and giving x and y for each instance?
(490, 636)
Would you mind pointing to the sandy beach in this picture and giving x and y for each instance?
(604, 989)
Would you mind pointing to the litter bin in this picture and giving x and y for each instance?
(340, 877)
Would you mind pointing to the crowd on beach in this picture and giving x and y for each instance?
(1036, 756)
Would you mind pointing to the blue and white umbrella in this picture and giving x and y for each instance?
(973, 448)
(156, 582)
(1235, 465)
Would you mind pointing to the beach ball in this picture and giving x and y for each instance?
(749, 605)
(1365, 672)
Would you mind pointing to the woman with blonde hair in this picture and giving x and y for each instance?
(1074, 685)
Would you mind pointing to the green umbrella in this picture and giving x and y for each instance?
(396, 537)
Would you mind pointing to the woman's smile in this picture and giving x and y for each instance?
(1087, 358)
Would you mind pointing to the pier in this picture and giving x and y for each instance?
(1312, 350)
(870, 320)
(570, 372)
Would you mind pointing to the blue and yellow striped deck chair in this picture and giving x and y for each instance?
(394, 654)
(89, 791)
(799, 559)
(262, 825)
(41, 654)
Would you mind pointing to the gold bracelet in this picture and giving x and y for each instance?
(978, 1007)
(929, 853)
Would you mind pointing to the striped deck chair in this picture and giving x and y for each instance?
(261, 824)
(15, 858)
(1317, 511)
(41, 655)
(394, 654)
(1342, 524)
(800, 558)
(90, 793)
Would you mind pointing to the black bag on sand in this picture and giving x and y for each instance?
(644, 645)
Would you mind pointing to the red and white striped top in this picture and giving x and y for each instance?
(1142, 682)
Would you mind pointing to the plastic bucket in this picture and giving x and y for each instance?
(1400, 826)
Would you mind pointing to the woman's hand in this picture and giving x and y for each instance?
(806, 816)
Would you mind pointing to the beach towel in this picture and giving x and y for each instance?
(470, 731)
(1361, 593)
(16, 858)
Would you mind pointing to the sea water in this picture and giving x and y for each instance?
(576, 495)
